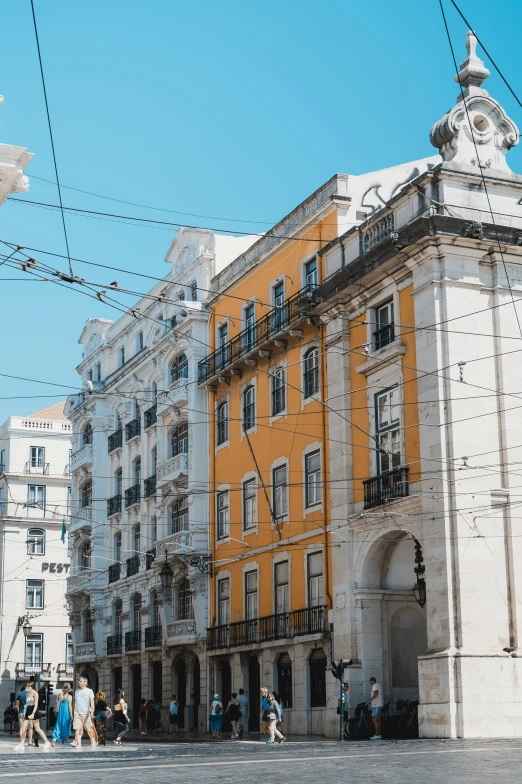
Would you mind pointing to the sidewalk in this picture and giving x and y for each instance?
(191, 736)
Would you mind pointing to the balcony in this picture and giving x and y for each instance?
(132, 641)
(153, 637)
(133, 565)
(31, 669)
(79, 582)
(115, 441)
(85, 651)
(175, 543)
(182, 631)
(151, 416)
(82, 515)
(309, 620)
(64, 671)
(132, 495)
(150, 486)
(177, 393)
(284, 318)
(113, 505)
(82, 457)
(114, 572)
(173, 470)
(114, 644)
(42, 469)
(150, 556)
(132, 429)
(386, 487)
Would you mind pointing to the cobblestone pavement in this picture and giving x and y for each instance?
(302, 760)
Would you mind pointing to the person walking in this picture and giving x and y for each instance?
(216, 716)
(31, 714)
(151, 717)
(279, 724)
(158, 707)
(121, 719)
(102, 713)
(273, 718)
(20, 707)
(64, 717)
(376, 703)
(243, 707)
(343, 705)
(83, 713)
(173, 714)
(264, 707)
(143, 716)
(233, 713)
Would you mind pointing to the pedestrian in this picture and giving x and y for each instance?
(375, 703)
(20, 707)
(121, 719)
(279, 724)
(216, 716)
(31, 714)
(143, 716)
(233, 713)
(343, 705)
(243, 706)
(151, 717)
(264, 707)
(64, 716)
(173, 714)
(158, 707)
(273, 718)
(102, 713)
(83, 713)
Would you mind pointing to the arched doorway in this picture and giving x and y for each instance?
(180, 681)
(254, 700)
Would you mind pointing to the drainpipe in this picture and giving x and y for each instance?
(325, 464)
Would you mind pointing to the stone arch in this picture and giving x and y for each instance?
(374, 556)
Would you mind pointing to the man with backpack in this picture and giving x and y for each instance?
(173, 714)
(216, 716)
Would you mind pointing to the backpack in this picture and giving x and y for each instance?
(218, 709)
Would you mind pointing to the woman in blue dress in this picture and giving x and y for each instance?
(62, 728)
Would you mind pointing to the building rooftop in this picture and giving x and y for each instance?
(55, 411)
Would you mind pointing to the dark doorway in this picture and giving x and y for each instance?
(254, 700)
(226, 691)
(117, 680)
(157, 681)
(135, 694)
(180, 673)
(196, 682)
(317, 666)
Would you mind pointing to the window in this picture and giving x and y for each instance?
(185, 610)
(137, 410)
(122, 356)
(315, 580)
(180, 440)
(37, 461)
(140, 341)
(194, 292)
(34, 650)
(36, 541)
(223, 601)
(87, 434)
(313, 478)
(173, 322)
(179, 515)
(317, 665)
(118, 481)
(278, 391)
(311, 373)
(136, 471)
(387, 417)
(153, 460)
(251, 603)
(84, 556)
(181, 295)
(179, 368)
(34, 594)
(250, 332)
(222, 515)
(2, 461)
(156, 611)
(118, 612)
(249, 408)
(69, 650)
(86, 494)
(154, 528)
(284, 679)
(280, 491)
(278, 314)
(384, 326)
(223, 347)
(98, 372)
(310, 271)
(137, 539)
(249, 504)
(36, 500)
(117, 547)
(91, 374)
(282, 598)
(136, 614)
(222, 423)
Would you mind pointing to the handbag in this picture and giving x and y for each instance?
(266, 715)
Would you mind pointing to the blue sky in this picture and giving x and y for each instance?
(232, 110)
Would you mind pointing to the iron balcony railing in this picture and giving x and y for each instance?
(151, 416)
(384, 335)
(379, 489)
(133, 641)
(150, 486)
(150, 555)
(114, 644)
(32, 468)
(132, 429)
(132, 495)
(133, 565)
(113, 505)
(153, 636)
(114, 572)
(65, 670)
(115, 441)
(32, 668)
(309, 620)
(266, 328)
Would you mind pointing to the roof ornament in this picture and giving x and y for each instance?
(472, 71)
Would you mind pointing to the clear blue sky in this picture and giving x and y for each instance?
(232, 109)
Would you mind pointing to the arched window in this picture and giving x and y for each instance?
(185, 609)
(180, 440)
(89, 626)
(36, 541)
(317, 665)
(137, 606)
(84, 556)
(118, 611)
(284, 679)
(136, 471)
(86, 494)
(311, 372)
(156, 611)
(179, 515)
(222, 423)
(249, 408)
(179, 368)
(87, 434)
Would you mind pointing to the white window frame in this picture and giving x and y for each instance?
(319, 578)
(34, 639)
(33, 539)
(223, 602)
(217, 404)
(281, 366)
(280, 465)
(223, 492)
(36, 590)
(249, 481)
(36, 505)
(37, 460)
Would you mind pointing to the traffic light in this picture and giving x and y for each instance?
(42, 694)
(50, 689)
(339, 667)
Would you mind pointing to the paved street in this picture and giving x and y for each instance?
(305, 761)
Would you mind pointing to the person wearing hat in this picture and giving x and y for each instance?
(216, 716)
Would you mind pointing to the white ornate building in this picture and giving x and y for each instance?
(141, 488)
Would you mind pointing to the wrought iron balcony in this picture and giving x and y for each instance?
(133, 565)
(42, 469)
(379, 489)
(132, 495)
(277, 320)
(150, 555)
(309, 620)
(65, 670)
(132, 429)
(113, 505)
(383, 336)
(115, 441)
(150, 486)
(132, 641)
(32, 668)
(114, 572)
(153, 637)
(113, 644)
(151, 416)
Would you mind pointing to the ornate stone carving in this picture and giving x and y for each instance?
(85, 649)
(473, 229)
(198, 585)
(75, 620)
(97, 613)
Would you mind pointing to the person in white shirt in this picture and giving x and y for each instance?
(376, 704)
(83, 713)
(173, 714)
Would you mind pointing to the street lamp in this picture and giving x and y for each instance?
(419, 591)
(166, 575)
(27, 628)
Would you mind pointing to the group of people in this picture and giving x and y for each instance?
(237, 713)
(150, 716)
(375, 704)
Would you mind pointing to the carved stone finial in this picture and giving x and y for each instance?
(472, 71)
